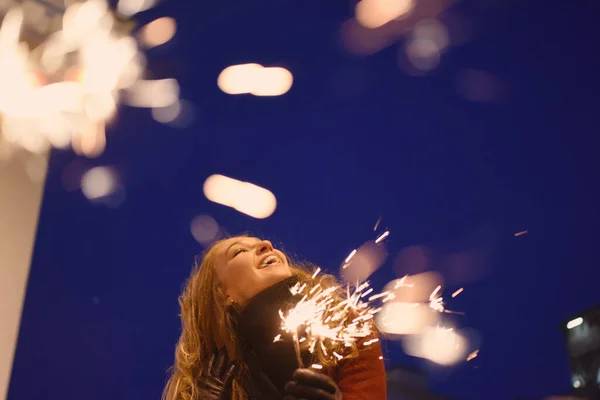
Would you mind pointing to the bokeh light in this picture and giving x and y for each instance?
(158, 32)
(132, 7)
(415, 288)
(399, 318)
(205, 229)
(376, 13)
(255, 79)
(167, 114)
(363, 262)
(99, 182)
(444, 346)
(244, 197)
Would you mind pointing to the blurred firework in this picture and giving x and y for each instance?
(65, 68)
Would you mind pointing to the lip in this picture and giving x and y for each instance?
(262, 260)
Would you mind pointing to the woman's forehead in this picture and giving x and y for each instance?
(243, 240)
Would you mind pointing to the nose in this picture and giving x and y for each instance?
(264, 247)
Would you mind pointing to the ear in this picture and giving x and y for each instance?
(229, 301)
(232, 308)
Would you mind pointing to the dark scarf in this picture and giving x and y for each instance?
(271, 363)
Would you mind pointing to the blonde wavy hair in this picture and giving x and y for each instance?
(207, 324)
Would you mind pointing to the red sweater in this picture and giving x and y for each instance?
(362, 378)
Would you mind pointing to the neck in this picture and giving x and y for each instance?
(258, 325)
(259, 320)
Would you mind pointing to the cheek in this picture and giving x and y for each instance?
(238, 272)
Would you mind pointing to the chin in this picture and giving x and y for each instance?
(279, 272)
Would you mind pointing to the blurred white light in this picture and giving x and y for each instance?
(222, 189)
(434, 30)
(274, 81)
(167, 114)
(376, 13)
(245, 197)
(255, 79)
(415, 288)
(131, 7)
(573, 323)
(424, 54)
(158, 32)
(443, 346)
(256, 202)
(98, 182)
(398, 318)
(153, 94)
(238, 79)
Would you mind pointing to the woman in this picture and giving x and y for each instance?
(230, 311)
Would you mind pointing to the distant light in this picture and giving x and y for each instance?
(434, 30)
(158, 32)
(255, 79)
(131, 7)
(167, 114)
(573, 323)
(238, 79)
(274, 81)
(521, 233)
(459, 291)
(423, 53)
(376, 13)
(204, 229)
(245, 197)
(98, 182)
(179, 114)
(443, 346)
(256, 201)
(153, 94)
(405, 318)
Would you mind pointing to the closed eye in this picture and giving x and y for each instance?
(238, 251)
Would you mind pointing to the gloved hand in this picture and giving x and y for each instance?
(307, 384)
(217, 377)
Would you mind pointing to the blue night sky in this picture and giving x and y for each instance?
(355, 139)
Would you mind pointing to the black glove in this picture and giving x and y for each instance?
(307, 384)
(217, 377)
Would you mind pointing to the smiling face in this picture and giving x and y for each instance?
(246, 266)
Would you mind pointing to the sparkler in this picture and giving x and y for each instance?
(436, 301)
(334, 319)
(331, 322)
(62, 86)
